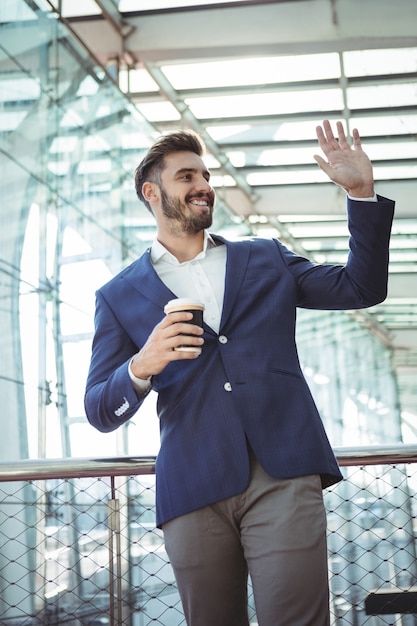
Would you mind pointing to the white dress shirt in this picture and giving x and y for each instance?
(202, 278)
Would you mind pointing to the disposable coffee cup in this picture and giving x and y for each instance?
(191, 306)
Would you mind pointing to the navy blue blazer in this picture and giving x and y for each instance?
(247, 384)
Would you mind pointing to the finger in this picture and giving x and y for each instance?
(343, 142)
(320, 134)
(178, 334)
(185, 339)
(326, 139)
(160, 350)
(322, 140)
(333, 142)
(356, 139)
(174, 318)
(181, 355)
(324, 165)
(185, 328)
(324, 133)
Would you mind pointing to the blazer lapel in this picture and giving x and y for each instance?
(237, 260)
(142, 276)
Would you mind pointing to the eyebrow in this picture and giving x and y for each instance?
(191, 170)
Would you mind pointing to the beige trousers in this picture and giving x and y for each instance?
(276, 532)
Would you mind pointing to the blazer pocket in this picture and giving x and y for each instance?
(280, 372)
(262, 274)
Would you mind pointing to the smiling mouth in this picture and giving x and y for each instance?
(198, 202)
(204, 202)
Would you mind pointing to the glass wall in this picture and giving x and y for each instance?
(352, 379)
(70, 219)
(69, 143)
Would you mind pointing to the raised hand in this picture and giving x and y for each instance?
(346, 166)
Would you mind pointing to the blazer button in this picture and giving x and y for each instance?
(227, 387)
(223, 339)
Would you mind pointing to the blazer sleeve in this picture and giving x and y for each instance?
(363, 281)
(110, 399)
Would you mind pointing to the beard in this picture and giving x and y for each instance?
(183, 219)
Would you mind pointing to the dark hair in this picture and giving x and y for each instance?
(152, 165)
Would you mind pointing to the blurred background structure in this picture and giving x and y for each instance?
(85, 88)
(87, 85)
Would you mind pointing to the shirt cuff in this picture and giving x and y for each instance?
(371, 199)
(142, 386)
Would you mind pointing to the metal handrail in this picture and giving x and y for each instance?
(390, 454)
(73, 467)
(36, 469)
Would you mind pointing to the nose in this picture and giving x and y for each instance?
(203, 185)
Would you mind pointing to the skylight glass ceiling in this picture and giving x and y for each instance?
(261, 104)
(382, 96)
(74, 8)
(257, 71)
(262, 111)
(241, 117)
(71, 8)
(374, 62)
(147, 5)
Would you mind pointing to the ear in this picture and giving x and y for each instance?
(150, 191)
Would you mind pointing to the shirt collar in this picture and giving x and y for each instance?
(158, 251)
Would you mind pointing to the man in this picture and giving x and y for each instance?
(244, 455)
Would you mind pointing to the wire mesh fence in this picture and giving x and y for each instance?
(84, 550)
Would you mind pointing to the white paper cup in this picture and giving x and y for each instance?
(191, 305)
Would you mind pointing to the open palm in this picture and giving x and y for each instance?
(346, 166)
